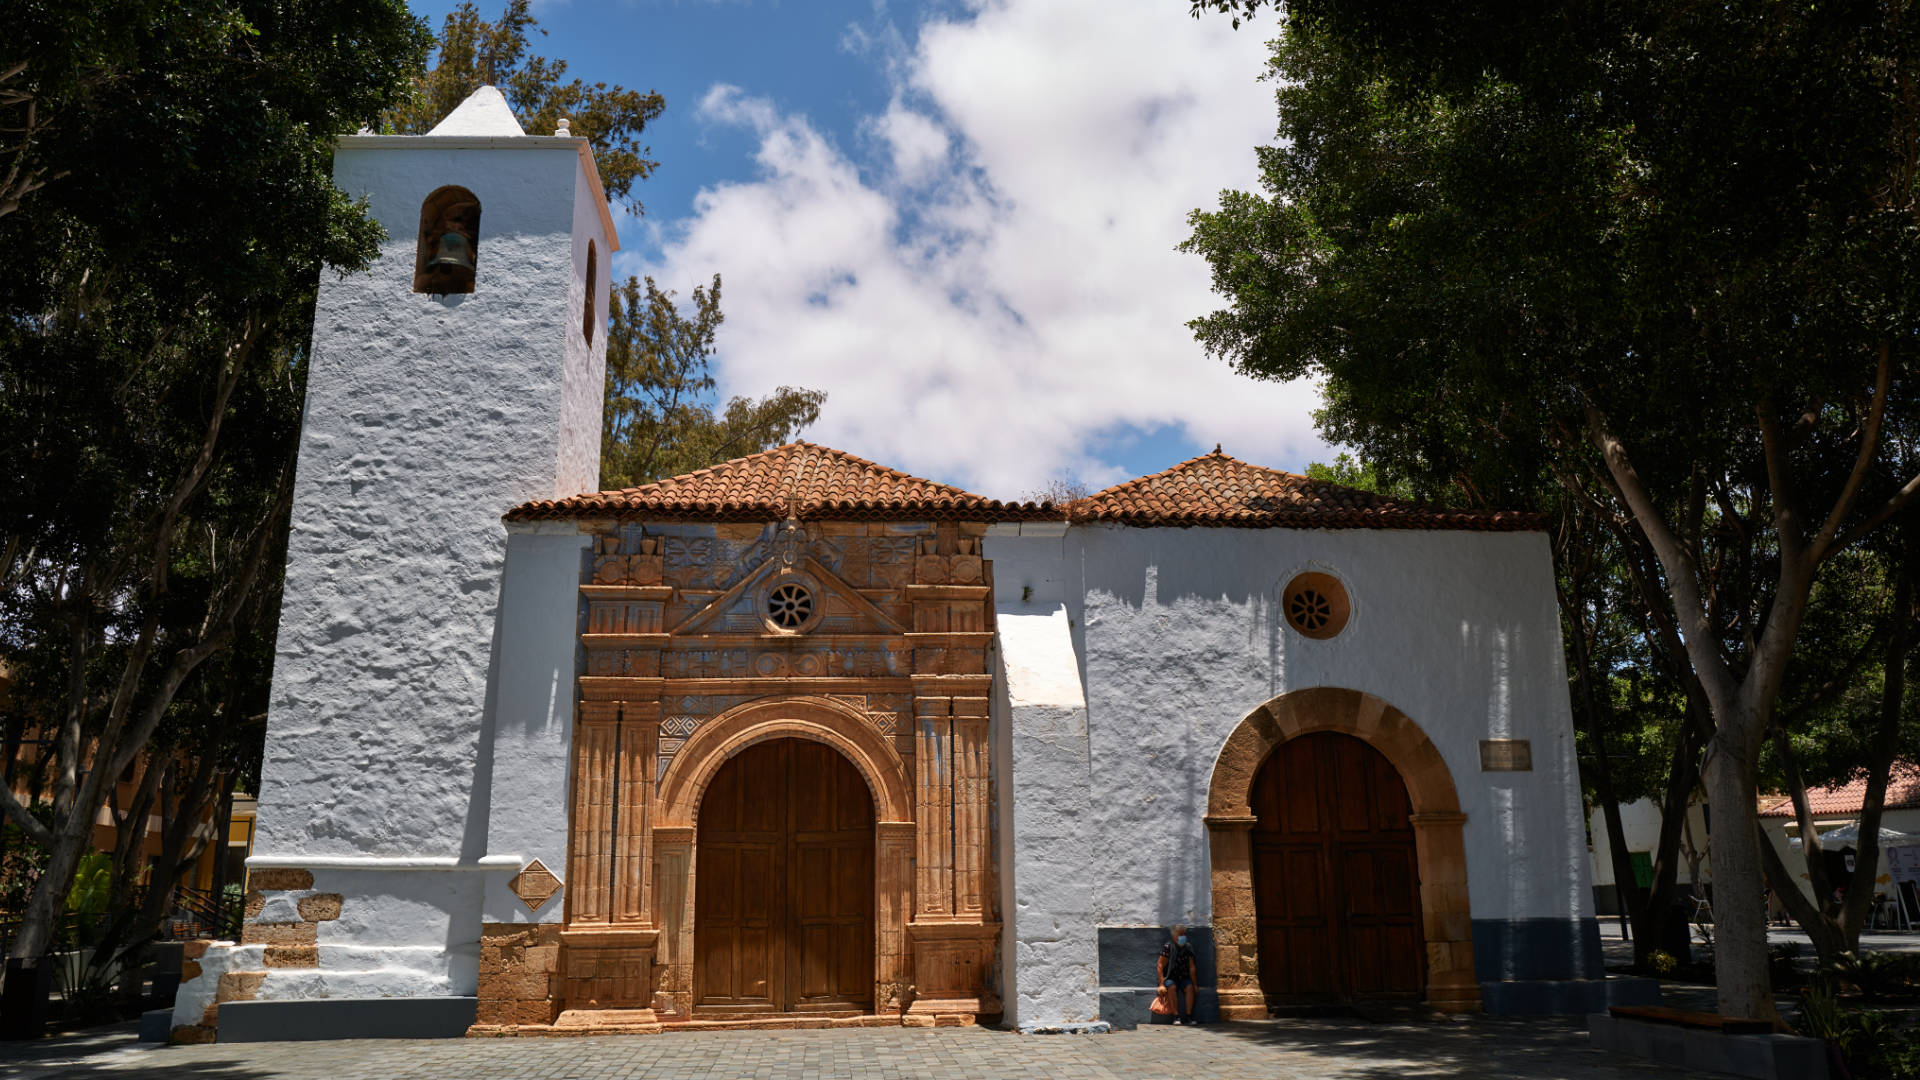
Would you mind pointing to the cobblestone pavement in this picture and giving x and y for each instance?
(1483, 1048)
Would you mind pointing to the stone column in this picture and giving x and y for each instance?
(1441, 850)
(633, 857)
(951, 939)
(590, 854)
(607, 946)
(972, 873)
(893, 903)
(673, 906)
(933, 805)
(1236, 935)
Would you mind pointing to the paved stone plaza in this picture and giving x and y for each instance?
(1348, 1049)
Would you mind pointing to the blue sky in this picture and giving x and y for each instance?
(954, 217)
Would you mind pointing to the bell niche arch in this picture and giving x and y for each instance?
(1435, 817)
(448, 249)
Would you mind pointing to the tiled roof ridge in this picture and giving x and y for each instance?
(801, 479)
(1172, 469)
(1192, 493)
(730, 494)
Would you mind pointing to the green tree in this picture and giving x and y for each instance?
(1662, 255)
(472, 53)
(661, 418)
(157, 297)
(1349, 471)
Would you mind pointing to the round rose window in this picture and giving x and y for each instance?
(1316, 605)
(789, 606)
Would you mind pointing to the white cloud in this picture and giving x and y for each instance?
(916, 143)
(987, 283)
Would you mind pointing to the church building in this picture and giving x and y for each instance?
(803, 740)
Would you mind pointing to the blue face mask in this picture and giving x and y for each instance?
(1182, 939)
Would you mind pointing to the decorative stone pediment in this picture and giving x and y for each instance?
(799, 596)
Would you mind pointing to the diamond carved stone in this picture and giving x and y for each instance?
(534, 885)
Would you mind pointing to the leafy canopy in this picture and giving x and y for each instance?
(473, 52)
(1477, 225)
(660, 416)
(155, 307)
(1658, 256)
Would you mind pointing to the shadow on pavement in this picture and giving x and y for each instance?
(1481, 1047)
(110, 1050)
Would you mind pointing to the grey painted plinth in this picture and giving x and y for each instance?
(347, 1018)
(1129, 1009)
(156, 1025)
(1762, 1057)
(1129, 975)
(1566, 997)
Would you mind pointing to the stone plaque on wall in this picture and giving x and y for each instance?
(1506, 755)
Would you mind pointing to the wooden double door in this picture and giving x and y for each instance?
(783, 897)
(1336, 884)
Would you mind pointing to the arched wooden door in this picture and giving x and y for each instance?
(783, 896)
(1336, 885)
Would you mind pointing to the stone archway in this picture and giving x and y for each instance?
(848, 732)
(823, 720)
(1438, 837)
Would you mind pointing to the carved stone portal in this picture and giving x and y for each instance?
(691, 658)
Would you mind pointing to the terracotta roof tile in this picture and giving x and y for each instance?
(799, 479)
(1903, 790)
(1216, 489)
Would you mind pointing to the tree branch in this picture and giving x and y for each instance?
(23, 818)
(1683, 585)
(1863, 461)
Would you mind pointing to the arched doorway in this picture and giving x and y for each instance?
(1336, 885)
(784, 915)
(1438, 828)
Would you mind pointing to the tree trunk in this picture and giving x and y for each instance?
(1893, 688)
(1739, 910)
(49, 894)
(1824, 934)
(1658, 911)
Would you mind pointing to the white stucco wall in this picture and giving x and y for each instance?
(1175, 636)
(427, 417)
(533, 713)
(1050, 930)
(1182, 638)
(583, 393)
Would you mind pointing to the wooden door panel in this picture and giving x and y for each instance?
(1349, 798)
(784, 903)
(813, 884)
(1299, 799)
(740, 895)
(1336, 889)
(833, 883)
(1399, 891)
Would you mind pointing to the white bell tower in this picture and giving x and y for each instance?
(459, 376)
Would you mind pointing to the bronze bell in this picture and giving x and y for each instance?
(452, 253)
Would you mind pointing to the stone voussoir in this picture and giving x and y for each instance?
(320, 907)
(292, 933)
(281, 879)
